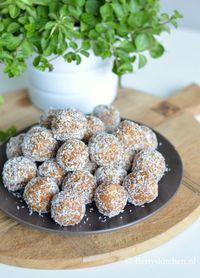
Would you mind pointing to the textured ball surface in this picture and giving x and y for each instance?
(13, 147)
(110, 199)
(150, 141)
(109, 115)
(151, 161)
(69, 124)
(90, 166)
(39, 144)
(130, 135)
(47, 117)
(17, 172)
(126, 160)
(39, 192)
(94, 126)
(105, 149)
(110, 174)
(82, 183)
(73, 155)
(51, 169)
(67, 209)
(141, 187)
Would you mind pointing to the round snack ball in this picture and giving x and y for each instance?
(51, 169)
(39, 192)
(67, 209)
(109, 115)
(73, 155)
(94, 126)
(105, 149)
(13, 147)
(150, 141)
(90, 166)
(130, 135)
(39, 144)
(17, 172)
(126, 160)
(47, 117)
(82, 183)
(110, 199)
(110, 174)
(151, 161)
(69, 124)
(141, 186)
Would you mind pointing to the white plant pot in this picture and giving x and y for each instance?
(68, 85)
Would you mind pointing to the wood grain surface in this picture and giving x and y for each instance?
(173, 117)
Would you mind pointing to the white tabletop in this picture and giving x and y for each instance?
(179, 67)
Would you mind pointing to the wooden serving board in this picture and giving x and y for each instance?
(174, 118)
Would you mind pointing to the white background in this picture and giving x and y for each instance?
(177, 68)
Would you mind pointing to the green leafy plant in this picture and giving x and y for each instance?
(4, 134)
(123, 29)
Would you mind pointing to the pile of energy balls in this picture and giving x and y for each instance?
(70, 160)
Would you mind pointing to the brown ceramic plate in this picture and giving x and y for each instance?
(94, 222)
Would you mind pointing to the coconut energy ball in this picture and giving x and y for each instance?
(90, 166)
(141, 186)
(69, 124)
(39, 192)
(17, 172)
(73, 155)
(47, 117)
(94, 126)
(151, 161)
(13, 147)
(110, 174)
(105, 149)
(110, 199)
(150, 141)
(82, 183)
(109, 115)
(67, 209)
(130, 135)
(39, 144)
(51, 169)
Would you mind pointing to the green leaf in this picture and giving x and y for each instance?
(118, 9)
(73, 45)
(106, 12)
(75, 11)
(92, 6)
(85, 53)
(78, 59)
(27, 48)
(174, 23)
(1, 26)
(13, 11)
(13, 27)
(127, 46)
(142, 61)
(157, 51)
(36, 61)
(125, 68)
(70, 56)
(144, 41)
(11, 42)
(85, 45)
(50, 25)
(134, 6)
(5, 134)
(88, 19)
(138, 19)
(1, 100)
